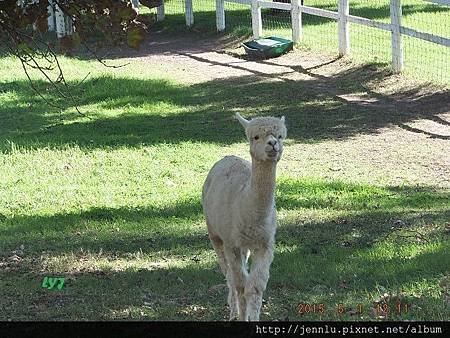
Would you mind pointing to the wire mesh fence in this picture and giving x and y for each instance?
(370, 44)
(238, 18)
(175, 7)
(174, 11)
(276, 22)
(204, 13)
(423, 59)
(320, 33)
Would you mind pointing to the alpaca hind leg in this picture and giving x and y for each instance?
(217, 244)
(257, 282)
(238, 272)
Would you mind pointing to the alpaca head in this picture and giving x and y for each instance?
(266, 135)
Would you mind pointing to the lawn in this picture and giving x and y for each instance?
(111, 202)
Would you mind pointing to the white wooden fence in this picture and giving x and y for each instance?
(58, 21)
(62, 24)
(344, 20)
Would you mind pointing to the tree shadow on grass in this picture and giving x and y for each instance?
(371, 211)
(354, 275)
(192, 292)
(133, 112)
(115, 230)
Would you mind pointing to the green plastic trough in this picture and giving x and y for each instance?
(269, 47)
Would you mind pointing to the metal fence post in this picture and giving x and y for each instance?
(296, 15)
(256, 20)
(220, 15)
(397, 46)
(343, 27)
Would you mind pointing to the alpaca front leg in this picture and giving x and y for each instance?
(232, 303)
(232, 296)
(257, 281)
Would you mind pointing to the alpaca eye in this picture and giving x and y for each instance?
(280, 136)
(256, 137)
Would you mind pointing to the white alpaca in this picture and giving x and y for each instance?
(239, 205)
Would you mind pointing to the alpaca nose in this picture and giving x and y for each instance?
(272, 142)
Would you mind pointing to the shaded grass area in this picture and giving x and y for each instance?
(136, 112)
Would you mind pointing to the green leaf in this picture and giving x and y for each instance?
(126, 13)
(76, 39)
(135, 35)
(24, 48)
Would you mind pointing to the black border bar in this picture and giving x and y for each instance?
(63, 329)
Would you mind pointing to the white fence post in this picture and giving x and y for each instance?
(220, 15)
(135, 4)
(296, 15)
(189, 13)
(60, 22)
(343, 27)
(160, 12)
(397, 46)
(51, 15)
(68, 24)
(256, 20)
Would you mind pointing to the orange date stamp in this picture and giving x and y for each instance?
(378, 309)
(305, 308)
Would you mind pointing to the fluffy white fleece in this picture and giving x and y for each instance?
(239, 205)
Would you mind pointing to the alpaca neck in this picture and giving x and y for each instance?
(262, 185)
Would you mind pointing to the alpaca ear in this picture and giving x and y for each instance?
(282, 119)
(243, 121)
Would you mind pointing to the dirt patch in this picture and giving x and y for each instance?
(410, 146)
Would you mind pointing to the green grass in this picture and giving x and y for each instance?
(112, 203)
(422, 60)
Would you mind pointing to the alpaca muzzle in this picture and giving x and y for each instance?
(272, 149)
